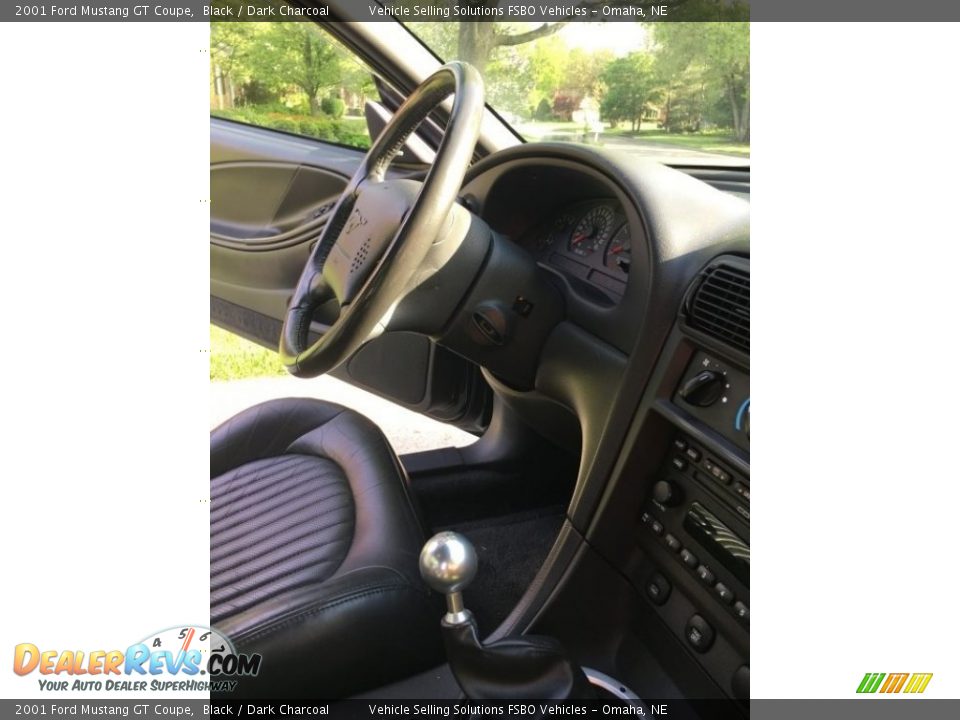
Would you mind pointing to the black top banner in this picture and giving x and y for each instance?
(482, 11)
(383, 11)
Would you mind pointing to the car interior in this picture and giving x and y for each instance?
(584, 313)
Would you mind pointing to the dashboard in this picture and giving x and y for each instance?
(584, 226)
(651, 362)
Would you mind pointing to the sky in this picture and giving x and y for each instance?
(620, 37)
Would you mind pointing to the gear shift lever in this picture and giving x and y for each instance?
(448, 564)
(515, 668)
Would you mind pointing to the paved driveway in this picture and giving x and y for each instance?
(664, 152)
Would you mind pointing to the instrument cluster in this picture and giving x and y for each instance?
(589, 243)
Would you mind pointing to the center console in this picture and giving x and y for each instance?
(676, 520)
(693, 524)
(661, 598)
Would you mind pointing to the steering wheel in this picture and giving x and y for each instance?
(381, 230)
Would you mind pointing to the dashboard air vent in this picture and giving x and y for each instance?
(720, 305)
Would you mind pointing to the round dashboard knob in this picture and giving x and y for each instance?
(704, 388)
(666, 493)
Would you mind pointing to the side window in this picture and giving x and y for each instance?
(289, 76)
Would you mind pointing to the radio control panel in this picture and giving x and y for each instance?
(695, 524)
(691, 460)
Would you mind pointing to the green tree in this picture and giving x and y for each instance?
(296, 54)
(631, 84)
(229, 45)
(477, 42)
(544, 110)
(547, 68)
(718, 54)
(509, 81)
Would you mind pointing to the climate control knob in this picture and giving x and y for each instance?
(704, 388)
(666, 493)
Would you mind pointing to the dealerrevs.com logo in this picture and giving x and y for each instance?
(182, 659)
(911, 683)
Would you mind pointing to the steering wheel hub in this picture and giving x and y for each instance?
(379, 209)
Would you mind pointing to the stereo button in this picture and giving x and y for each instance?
(693, 454)
(706, 575)
(717, 472)
(680, 444)
(656, 527)
(689, 559)
(672, 542)
(658, 589)
(699, 634)
(666, 493)
(741, 611)
(724, 593)
(678, 463)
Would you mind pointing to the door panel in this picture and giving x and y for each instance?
(270, 197)
(260, 202)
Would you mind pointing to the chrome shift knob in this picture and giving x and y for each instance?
(448, 563)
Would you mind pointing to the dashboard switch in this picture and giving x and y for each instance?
(724, 593)
(704, 388)
(700, 634)
(657, 589)
(666, 493)
(741, 610)
(706, 575)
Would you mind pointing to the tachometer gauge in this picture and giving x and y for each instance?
(557, 232)
(617, 256)
(593, 231)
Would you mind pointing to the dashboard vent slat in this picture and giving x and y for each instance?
(720, 305)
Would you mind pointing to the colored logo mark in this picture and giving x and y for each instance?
(894, 682)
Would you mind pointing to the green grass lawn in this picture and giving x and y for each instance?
(233, 358)
(714, 142)
(718, 142)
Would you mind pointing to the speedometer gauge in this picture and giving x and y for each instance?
(617, 256)
(593, 231)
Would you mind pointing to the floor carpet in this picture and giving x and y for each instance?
(511, 549)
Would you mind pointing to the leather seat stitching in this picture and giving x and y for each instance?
(315, 547)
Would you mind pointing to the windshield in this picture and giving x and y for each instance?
(677, 92)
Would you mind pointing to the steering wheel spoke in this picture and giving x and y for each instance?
(382, 229)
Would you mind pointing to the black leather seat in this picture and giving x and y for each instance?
(314, 543)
